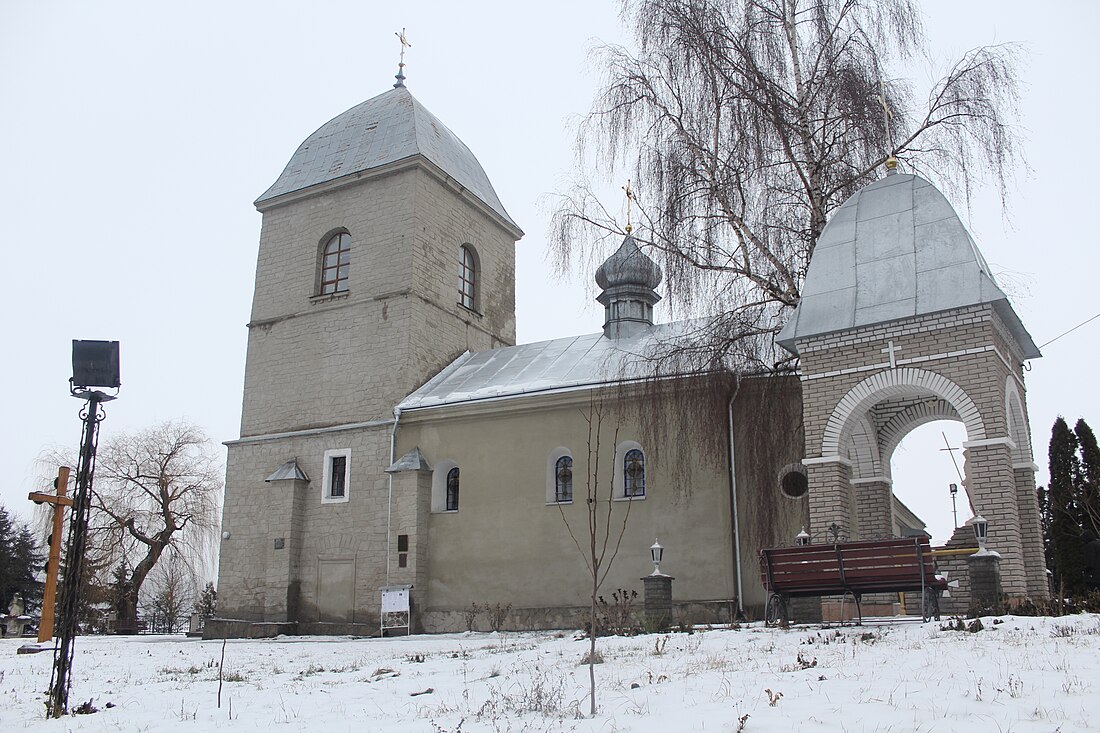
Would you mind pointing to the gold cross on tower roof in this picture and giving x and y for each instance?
(401, 61)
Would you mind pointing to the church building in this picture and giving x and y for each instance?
(394, 434)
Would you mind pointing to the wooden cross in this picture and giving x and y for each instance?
(892, 351)
(629, 198)
(58, 501)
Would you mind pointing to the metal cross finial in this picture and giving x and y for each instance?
(401, 61)
(629, 198)
(891, 161)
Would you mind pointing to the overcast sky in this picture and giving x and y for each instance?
(136, 136)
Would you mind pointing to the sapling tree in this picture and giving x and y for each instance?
(606, 522)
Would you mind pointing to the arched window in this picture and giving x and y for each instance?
(467, 277)
(563, 479)
(335, 264)
(634, 473)
(452, 490)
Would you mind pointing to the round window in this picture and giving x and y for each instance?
(794, 483)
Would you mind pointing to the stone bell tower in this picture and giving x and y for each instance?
(384, 254)
(902, 323)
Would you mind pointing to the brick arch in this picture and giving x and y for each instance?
(912, 417)
(897, 383)
(861, 448)
(1017, 423)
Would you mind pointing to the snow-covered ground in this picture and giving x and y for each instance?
(1018, 674)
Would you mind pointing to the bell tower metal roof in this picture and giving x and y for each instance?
(381, 131)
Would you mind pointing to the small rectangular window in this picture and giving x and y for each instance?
(402, 560)
(339, 473)
(336, 482)
(402, 543)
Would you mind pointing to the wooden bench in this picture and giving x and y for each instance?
(897, 565)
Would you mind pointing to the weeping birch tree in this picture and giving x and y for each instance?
(156, 502)
(744, 123)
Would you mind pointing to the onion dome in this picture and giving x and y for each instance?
(627, 278)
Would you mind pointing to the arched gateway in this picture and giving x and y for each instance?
(901, 323)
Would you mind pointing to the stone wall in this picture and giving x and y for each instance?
(858, 405)
(324, 373)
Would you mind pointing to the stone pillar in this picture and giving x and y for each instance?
(993, 492)
(411, 494)
(830, 496)
(986, 592)
(658, 601)
(1031, 531)
(874, 508)
(282, 582)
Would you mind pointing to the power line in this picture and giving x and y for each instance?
(1082, 323)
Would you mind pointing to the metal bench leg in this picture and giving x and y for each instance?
(776, 612)
(930, 607)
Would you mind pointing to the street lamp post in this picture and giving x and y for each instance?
(954, 489)
(95, 364)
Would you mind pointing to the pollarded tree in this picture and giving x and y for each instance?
(746, 122)
(1066, 547)
(155, 499)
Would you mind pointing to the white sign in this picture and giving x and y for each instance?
(395, 599)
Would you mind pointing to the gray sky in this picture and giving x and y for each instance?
(136, 136)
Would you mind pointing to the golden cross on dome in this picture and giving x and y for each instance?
(891, 161)
(629, 199)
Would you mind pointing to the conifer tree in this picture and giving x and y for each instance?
(7, 538)
(1089, 477)
(207, 604)
(1066, 548)
(1042, 494)
(21, 559)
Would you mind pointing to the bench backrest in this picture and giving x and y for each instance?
(868, 566)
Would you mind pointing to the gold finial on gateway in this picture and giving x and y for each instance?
(629, 199)
(891, 161)
(401, 62)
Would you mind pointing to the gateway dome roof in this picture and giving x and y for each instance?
(896, 249)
